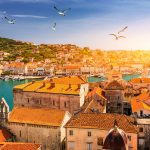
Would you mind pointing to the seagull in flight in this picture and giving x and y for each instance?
(61, 12)
(117, 37)
(122, 30)
(54, 27)
(7, 18)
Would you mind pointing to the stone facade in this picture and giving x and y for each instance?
(116, 97)
(96, 139)
(50, 100)
(88, 131)
(49, 136)
(144, 133)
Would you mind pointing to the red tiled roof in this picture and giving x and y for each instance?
(92, 106)
(114, 85)
(140, 80)
(141, 102)
(96, 90)
(19, 146)
(71, 67)
(102, 121)
(40, 116)
(15, 65)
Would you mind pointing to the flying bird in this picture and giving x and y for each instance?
(117, 37)
(54, 27)
(122, 30)
(61, 12)
(7, 18)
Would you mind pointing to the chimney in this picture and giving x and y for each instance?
(43, 84)
(51, 80)
(78, 86)
(52, 85)
(33, 81)
(69, 86)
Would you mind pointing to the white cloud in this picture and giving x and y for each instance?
(30, 16)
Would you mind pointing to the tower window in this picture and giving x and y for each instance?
(89, 133)
(71, 132)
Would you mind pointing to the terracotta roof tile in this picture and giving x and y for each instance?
(141, 102)
(71, 67)
(102, 121)
(69, 80)
(140, 80)
(19, 146)
(92, 106)
(114, 85)
(96, 90)
(64, 85)
(40, 116)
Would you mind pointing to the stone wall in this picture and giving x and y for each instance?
(115, 100)
(47, 100)
(49, 137)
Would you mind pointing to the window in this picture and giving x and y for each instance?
(100, 141)
(71, 145)
(141, 129)
(20, 133)
(89, 133)
(40, 101)
(53, 103)
(59, 133)
(65, 104)
(89, 146)
(129, 137)
(141, 113)
(71, 132)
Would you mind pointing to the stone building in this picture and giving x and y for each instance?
(66, 93)
(116, 101)
(141, 105)
(144, 133)
(140, 83)
(95, 102)
(141, 110)
(39, 125)
(88, 131)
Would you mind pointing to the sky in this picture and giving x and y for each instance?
(87, 24)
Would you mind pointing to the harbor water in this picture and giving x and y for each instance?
(6, 87)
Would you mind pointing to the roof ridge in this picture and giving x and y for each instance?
(130, 122)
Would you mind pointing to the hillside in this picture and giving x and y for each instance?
(57, 53)
(60, 54)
